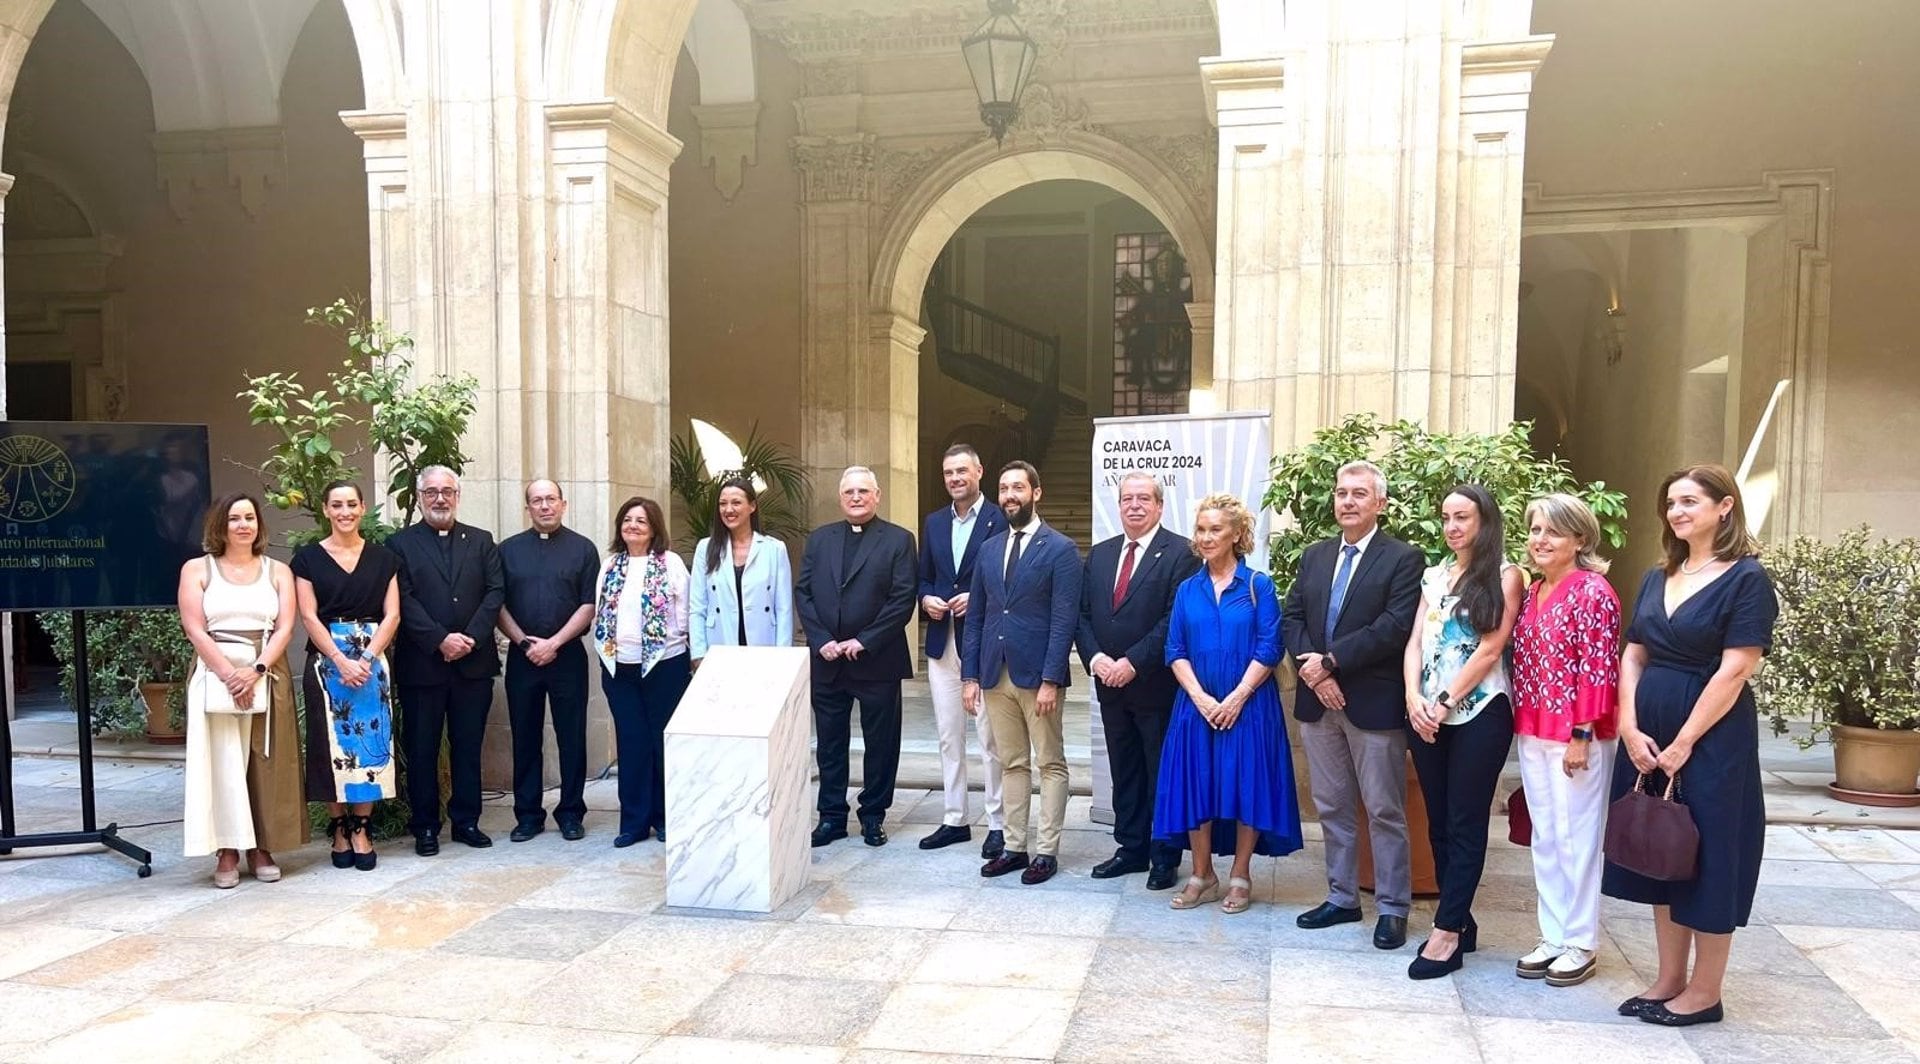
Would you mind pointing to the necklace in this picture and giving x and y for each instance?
(1684, 571)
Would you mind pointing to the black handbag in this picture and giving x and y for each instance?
(1653, 835)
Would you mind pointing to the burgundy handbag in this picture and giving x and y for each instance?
(1653, 836)
(1519, 820)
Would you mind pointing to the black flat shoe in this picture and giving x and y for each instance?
(427, 844)
(1634, 1006)
(573, 832)
(1326, 914)
(947, 835)
(624, 840)
(872, 834)
(1390, 932)
(827, 831)
(994, 846)
(472, 836)
(1423, 968)
(1658, 1013)
(1162, 877)
(523, 832)
(1116, 866)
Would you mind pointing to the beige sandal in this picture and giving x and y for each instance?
(1230, 904)
(1209, 890)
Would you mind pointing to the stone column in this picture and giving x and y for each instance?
(1369, 219)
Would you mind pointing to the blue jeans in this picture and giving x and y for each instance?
(641, 707)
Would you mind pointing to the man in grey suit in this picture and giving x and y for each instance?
(1346, 621)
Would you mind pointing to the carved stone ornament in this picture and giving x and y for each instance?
(728, 142)
(1046, 116)
(835, 169)
(896, 173)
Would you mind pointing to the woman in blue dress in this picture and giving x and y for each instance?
(1226, 778)
(1702, 621)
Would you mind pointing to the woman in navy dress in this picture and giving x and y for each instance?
(1226, 779)
(1700, 625)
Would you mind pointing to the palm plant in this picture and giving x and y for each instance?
(779, 479)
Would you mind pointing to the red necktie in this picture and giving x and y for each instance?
(1126, 574)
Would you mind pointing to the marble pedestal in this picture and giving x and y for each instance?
(737, 801)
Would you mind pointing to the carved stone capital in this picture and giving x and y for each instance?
(835, 169)
(729, 142)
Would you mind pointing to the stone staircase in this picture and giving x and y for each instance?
(1066, 477)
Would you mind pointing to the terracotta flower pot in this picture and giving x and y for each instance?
(1426, 883)
(1875, 767)
(160, 729)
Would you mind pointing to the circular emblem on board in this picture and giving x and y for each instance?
(36, 479)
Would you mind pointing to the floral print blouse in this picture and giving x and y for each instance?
(1566, 659)
(1446, 642)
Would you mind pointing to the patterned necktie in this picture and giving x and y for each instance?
(1013, 561)
(1126, 575)
(1340, 581)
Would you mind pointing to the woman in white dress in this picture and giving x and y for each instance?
(243, 758)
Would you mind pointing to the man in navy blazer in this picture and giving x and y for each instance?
(1126, 600)
(855, 598)
(954, 535)
(1346, 621)
(1025, 600)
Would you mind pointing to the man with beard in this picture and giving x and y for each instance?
(551, 574)
(855, 597)
(1025, 600)
(444, 662)
(948, 551)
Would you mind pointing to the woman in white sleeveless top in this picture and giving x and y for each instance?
(243, 759)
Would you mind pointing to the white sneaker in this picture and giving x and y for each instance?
(1534, 965)
(1571, 968)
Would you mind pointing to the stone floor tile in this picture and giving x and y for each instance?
(1757, 948)
(1334, 978)
(1911, 897)
(1864, 845)
(487, 1043)
(540, 934)
(615, 994)
(1284, 935)
(31, 1015)
(1368, 1036)
(1792, 843)
(690, 942)
(828, 951)
(1892, 876)
(281, 973)
(1148, 916)
(134, 963)
(1777, 873)
(989, 1021)
(786, 1008)
(1505, 1039)
(1881, 957)
(449, 986)
(1773, 1004)
(1891, 1005)
(1126, 1027)
(979, 958)
(160, 1032)
(601, 889)
(26, 946)
(311, 871)
(1714, 1045)
(1147, 970)
(347, 1038)
(1015, 913)
(1488, 986)
(1832, 907)
(394, 923)
(675, 1049)
(904, 1056)
(255, 914)
(497, 884)
(114, 908)
(896, 905)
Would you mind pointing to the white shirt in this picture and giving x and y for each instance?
(1139, 555)
(1365, 542)
(628, 614)
(1026, 539)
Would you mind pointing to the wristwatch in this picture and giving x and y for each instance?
(1445, 698)
(1583, 734)
(526, 642)
(260, 668)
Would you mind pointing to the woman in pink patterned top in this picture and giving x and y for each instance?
(1565, 677)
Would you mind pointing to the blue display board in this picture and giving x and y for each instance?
(98, 514)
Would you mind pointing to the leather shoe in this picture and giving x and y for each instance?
(427, 843)
(472, 836)
(1390, 932)
(624, 840)
(873, 834)
(1659, 1013)
(1326, 914)
(995, 845)
(1636, 1005)
(827, 831)
(1423, 967)
(1162, 877)
(1001, 865)
(524, 831)
(947, 835)
(1041, 870)
(573, 831)
(1118, 865)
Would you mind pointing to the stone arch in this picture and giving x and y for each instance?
(19, 21)
(623, 50)
(936, 208)
(376, 36)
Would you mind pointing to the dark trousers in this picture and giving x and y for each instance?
(531, 689)
(641, 706)
(457, 710)
(1458, 772)
(1134, 736)
(879, 729)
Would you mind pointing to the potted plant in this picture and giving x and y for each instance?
(1846, 659)
(137, 666)
(779, 479)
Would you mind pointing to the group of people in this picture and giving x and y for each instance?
(1443, 665)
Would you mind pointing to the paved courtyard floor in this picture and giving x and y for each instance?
(550, 950)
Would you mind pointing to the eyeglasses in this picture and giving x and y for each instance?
(439, 493)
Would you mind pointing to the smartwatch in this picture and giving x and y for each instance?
(1445, 699)
(526, 642)
(260, 668)
(1583, 734)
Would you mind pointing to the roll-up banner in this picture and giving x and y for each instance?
(1192, 456)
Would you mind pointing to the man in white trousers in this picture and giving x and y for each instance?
(952, 538)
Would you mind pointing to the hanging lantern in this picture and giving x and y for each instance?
(1000, 56)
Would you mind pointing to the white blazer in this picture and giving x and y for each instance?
(714, 617)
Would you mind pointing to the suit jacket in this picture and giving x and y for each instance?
(461, 592)
(714, 609)
(943, 575)
(1137, 629)
(1370, 635)
(871, 601)
(1025, 631)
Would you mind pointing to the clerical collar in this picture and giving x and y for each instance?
(442, 531)
(856, 528)
(546, 535)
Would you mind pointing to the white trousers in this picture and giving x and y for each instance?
(950, 719)
(1569, 822)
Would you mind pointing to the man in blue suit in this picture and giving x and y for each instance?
(954, 535)
(1025, 602)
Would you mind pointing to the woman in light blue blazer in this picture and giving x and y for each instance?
(737, 565)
